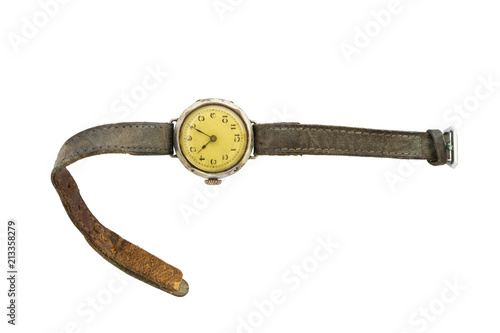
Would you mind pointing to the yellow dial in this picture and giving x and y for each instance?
(213, 138)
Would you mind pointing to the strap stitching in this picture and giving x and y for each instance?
(112, 127)
(95, 149)
(338, 131)
(334, 149)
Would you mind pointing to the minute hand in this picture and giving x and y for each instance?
(200, 131)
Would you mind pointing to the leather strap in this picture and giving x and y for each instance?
(299, 139)
(270, 139)
(130, 138)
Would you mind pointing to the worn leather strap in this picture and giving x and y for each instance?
(270, 139)
(130, 138)
(299, 139)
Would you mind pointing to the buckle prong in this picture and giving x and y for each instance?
(451, 138)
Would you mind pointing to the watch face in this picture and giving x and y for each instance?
(213, 137)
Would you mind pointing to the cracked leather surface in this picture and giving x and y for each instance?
(270, 139)
(130, 138)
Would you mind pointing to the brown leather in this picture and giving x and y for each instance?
(270, 139)
(299, 139)
(131, 138)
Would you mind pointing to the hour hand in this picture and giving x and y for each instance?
(204, 146)
(213, 138)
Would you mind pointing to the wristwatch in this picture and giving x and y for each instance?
(213, 138)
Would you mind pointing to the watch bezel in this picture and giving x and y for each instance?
(239, 112)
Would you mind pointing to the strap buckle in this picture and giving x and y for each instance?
(451, 139)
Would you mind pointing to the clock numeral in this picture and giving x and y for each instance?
(234, 149)
(213, 115)
(202, 158)
(193, 126)
(201, 118)
(237, 138)
(192, 149)
(224, 119)
(233, 126)
(225, 157)
(213, 162)
(190, 138)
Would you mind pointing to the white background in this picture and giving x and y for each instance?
(406, 230)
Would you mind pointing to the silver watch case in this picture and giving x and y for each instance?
(230, 105)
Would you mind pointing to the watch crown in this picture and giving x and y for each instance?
(213, 181)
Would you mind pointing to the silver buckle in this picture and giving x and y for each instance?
(452, 146)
